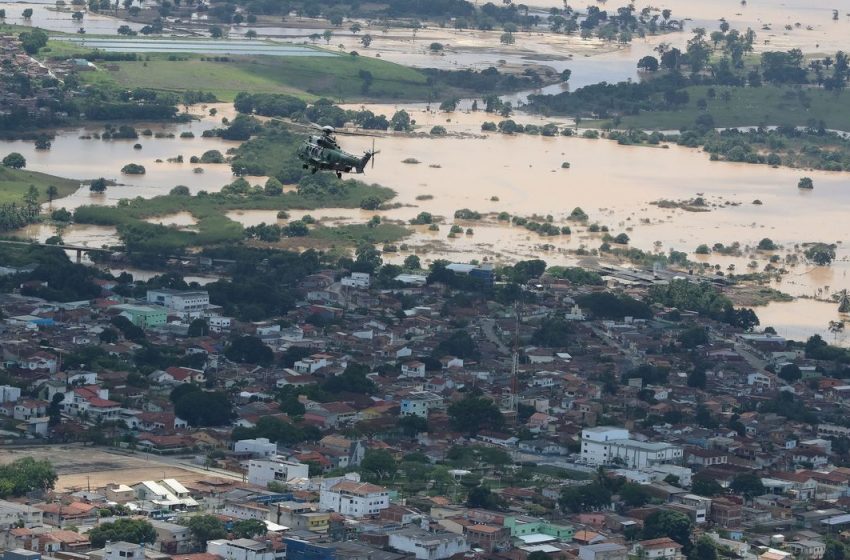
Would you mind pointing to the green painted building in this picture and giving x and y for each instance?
(523, 526)
(144, 316)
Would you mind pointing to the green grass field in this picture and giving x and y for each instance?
(14, 183)
(768, 105)
(336, 77)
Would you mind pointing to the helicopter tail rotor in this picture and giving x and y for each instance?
(368, 157)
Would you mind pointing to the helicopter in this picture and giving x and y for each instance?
(323, 152)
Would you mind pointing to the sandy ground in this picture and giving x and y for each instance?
(79, 466)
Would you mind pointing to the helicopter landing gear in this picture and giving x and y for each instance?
(339, 174)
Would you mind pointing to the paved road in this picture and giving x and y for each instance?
(488, 327)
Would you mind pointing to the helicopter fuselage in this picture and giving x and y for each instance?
(323, 153)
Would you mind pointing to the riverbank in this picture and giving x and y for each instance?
(14, 184)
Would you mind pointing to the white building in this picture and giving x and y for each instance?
(275, 469)
(218, 323)
(357, 280)
(419, 403)
(413, 369)
(182, 301)
(12, 514)
(167, 494)
(604, 445)
(354, 499)
(426, 545)
(260, 447)
(122, 550)
(309, 365)
(9, 393)
(243, 549)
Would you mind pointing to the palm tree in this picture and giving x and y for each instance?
(836, 327)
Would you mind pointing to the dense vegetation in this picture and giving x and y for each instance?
(54, 277)
(26, 475)
(712, 67)
(705, 299)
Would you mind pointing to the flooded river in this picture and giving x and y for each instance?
(523, 174)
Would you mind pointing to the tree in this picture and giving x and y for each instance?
(33, 41)
(459, 344)
(135, 531)
(54, 409)
(667, 523)
(98, 185)
(482, 497)
(216, 32)
(648, 63)
(472, 414)
(704, 550)
(378, 464)
(352, 380)
(204, 408)
(367, 260)
(790, 373)
(553, 332)
(412, 424)
(248, 528)
(834, 551)
(27, 13)
(706, 486)
(805, 183)
(366, 40)
(747, 484)
(251, 34)
(26, 475)
(249, 350)
(14, 161)
(355, 28)
(767, 244)
(205, 528)
(634, 495)
(587, 497)
(52, 192)
(199, 327)
(273, 187)
(108, 336)
(327, 35)
(400, 121)
(820, 253)
(412, 262)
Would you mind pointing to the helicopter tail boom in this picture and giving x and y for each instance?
(361, 165)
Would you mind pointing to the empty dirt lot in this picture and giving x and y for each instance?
(79, 466)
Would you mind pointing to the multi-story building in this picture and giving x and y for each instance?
(243, 549)
(143, 316)
(606, 445)
(13, 514)
(259, 447)
(420, 403)
(425, 545)
(182, 301)
(275, 469)
(490, 538)
(354, 499)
